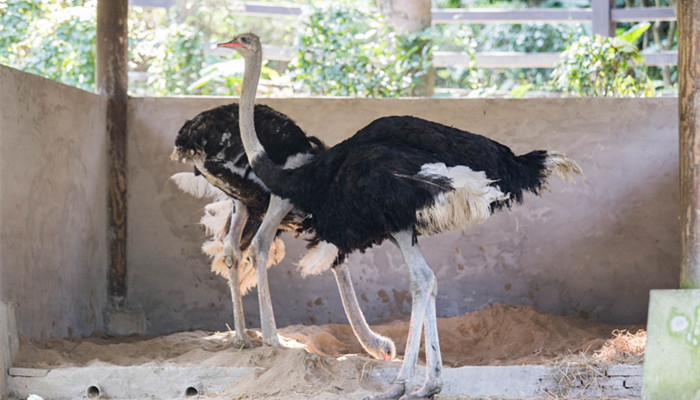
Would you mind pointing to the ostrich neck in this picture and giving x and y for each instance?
(273, 176)
(251, 76)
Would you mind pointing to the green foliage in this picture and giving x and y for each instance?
(55, 39)
(225, 78)
(600, 66)
(348, 52)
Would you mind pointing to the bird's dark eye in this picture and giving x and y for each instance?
(245, 40)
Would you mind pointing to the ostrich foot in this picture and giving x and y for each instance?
(426, 392)
(272, 342)
(397, 389)
(242, 341)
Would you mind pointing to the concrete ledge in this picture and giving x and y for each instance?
(508, 382)
(529, 381)
(119, 382)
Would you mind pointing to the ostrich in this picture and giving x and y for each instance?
(212, 143)
(397, 178)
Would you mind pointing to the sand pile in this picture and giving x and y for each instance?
(327, 362)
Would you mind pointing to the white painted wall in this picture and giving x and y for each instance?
(53, 205)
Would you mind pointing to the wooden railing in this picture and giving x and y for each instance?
(601, 15)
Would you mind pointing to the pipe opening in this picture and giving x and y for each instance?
(93, 392)
(191, 392)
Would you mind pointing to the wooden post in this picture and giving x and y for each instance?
(603, 24)
(689, 139)
(112, 82)
(410, 16)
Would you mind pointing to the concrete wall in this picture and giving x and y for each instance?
(53, 253)
(593, 249)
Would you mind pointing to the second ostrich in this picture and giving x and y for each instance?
(396, 179)
(245, 219)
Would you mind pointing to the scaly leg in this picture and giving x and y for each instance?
(433, 358)
(377, 345)
(422, 286)
(258, 253)
(233, 258)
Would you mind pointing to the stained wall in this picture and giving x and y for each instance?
(53, 205)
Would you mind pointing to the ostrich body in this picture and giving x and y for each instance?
(245, 219)
(395, 179)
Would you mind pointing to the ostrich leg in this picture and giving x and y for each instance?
(233, 258)
(423, 287)
(433, 383)
(258, 254)
(376, 345)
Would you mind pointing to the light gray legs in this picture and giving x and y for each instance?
(258, 254)
(378, 346)
(423, 290)
(233, 258)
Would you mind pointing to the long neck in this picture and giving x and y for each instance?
(251, 76)
(272, 175)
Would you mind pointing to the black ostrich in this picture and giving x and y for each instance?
(398, 178)
(244, 228)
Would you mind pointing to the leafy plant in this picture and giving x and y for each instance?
(53, 39)
(349, 52)
(600, 66)
(224, 78)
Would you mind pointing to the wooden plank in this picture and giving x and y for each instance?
(527, 60)
(266, 10)
(521, 16)
(152, 3)
(492, 59)
(643, 14)
(601, 11)
(112, 80)
(661, 58)
(689, 139)
(602, 22)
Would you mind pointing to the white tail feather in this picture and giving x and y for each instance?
(247, 278)
(216, 218)
(468, 203)
(562, 166)
(197, 186)
(320, 258)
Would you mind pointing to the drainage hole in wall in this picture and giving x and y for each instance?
(93, 392)
(191, 392)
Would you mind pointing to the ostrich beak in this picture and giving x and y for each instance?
(231, 44)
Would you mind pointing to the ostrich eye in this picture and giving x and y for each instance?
(245, 40)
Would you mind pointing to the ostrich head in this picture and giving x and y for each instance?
(387, 349)
(247, 44)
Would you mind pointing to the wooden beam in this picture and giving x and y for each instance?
(603, 24)
(643, 14)
(507, 16)
(689, 139)
(411, 16)
(112, 82)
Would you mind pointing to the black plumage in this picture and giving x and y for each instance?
(363, 189)
(214, 137)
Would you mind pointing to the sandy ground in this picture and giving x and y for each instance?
(326, 362)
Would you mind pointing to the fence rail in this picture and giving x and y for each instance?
(491, 59)
(600, 15)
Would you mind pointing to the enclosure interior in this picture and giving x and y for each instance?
(593, 249)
